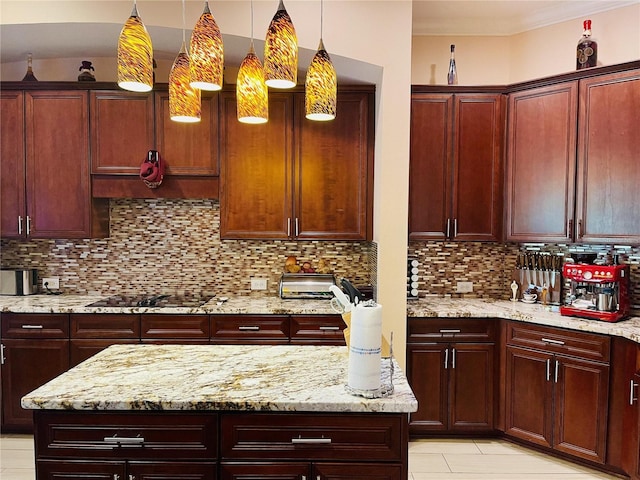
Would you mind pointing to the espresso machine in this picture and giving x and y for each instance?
(598, 292)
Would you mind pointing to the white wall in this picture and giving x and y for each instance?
(499, 60)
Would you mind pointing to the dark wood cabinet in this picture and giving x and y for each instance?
(250, 329)
(541, 164)
(110, 470)
(608, 172)
(162, 328)
(557, 395)
(317, 330)
(92, 333)
(456, 167)
(50, 189)
(450, 366)
(291, 178)
(35, 349)
(298, 471)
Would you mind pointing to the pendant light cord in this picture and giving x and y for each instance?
(252, 24)
(184, 22)
(321, 17)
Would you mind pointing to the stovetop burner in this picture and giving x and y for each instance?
(159, 301)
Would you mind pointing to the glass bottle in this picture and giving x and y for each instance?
(452, 75)
(587, 51)
(29, 76)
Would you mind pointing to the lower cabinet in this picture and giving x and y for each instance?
(303, 471)
(557, 389)
(98, 470)
(92, 333)
(450, 367)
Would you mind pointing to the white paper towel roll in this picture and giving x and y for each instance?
(365, 347)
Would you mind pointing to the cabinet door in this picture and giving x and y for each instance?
(188, 148)
(12, 201)
(477, 172)
(428, 378)
(28, 364)
(529, 395)
(57, 161)
(608, 197)
(334, 171)
(430, 166)
(171, 471)
(357, 471)
(581, 405)
(256, 172)
(471, 387)
(82, 349)
(70, 470)
(633, 398)
(262, 471)
(121, 131)
(541, 163)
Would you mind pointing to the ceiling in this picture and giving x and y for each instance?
(430, 17)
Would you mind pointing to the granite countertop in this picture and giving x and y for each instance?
(217, 377)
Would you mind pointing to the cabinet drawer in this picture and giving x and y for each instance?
(105, 326)
(137, 435)
(585, 345)
(421, 329)
(175, 326)
(260, 329)
(312, 436)
(27, 325)
(319, 329)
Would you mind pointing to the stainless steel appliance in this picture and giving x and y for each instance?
(599, 292)
(156, 301)
(18, 281)
(306, 285)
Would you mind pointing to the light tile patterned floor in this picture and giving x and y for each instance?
(428, 460)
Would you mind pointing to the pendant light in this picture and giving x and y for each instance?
(135, 55)
(251, 90)
(184, 100)
(206, 53)
(281, 51)
(321, 83)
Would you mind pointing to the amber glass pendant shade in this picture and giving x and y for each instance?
(206, 53)
(251, 91)
(321, 86)
(281, 51)
(135, 55)
(184, 100)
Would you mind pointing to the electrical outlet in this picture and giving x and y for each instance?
(52, 283)
(258, 283)
(464, 287)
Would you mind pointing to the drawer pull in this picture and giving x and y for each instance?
(124, 441)
(556, 372)
(249, 328)
(551, 340)
(33, 327)
(632, 398)
(548, 369)
(329, 328)
(301, 440)
(453, 330)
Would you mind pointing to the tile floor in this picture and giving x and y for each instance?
(428, 460)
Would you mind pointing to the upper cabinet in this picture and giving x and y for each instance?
(541, 147)
(48, 189)
(572, 161)
(608, 175)
(292, 178)
(456, 170)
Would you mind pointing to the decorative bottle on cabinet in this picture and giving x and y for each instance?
(29, 76)
(452, 75)
(587, 54)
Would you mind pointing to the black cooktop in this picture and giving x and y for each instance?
(157, 300)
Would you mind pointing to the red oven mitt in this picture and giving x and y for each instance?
(152, 169)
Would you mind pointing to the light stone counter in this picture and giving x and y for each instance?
(217, 377)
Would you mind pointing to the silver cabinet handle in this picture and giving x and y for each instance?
(131, 441)
(551, 340)
(3, 358)
(288, 226)
(455, 227)
(301, 440)
(250, 328)
(32, 327)
(446, 357)
(132, 477)
(453, 358)
(116, 476)
(19, 224)
(453, 330)
(548, 369)
(448, 227)
(329, 328)
(297, 227)
(555, 374)
(632, 399)
(28, 225)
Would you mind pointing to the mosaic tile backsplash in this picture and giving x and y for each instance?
(174, 246)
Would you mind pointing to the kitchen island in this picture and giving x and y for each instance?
(219, 411)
